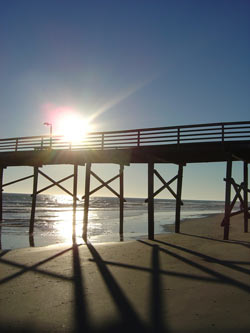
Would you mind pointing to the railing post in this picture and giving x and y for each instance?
(138, 138)
(222, 133)
(178, 135)
(102, 141)
(16, 144)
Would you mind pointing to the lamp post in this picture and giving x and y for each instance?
(50, 131)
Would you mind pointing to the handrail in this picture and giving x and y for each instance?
(212, 132)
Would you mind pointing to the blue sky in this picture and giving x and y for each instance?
(143, 63)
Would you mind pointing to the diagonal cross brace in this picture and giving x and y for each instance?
(56, 183)
(104, 184)
(165, 185)
(238, 188)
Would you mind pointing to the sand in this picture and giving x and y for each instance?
(188, 282)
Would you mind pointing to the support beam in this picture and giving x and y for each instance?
(151, 200)
(1, 204)
(178, 199)
(33, 207)
(75, 180)
(106, 184)
(55, 183)
(121, 201)
(227, 199)
(246, 213)
(86, 201)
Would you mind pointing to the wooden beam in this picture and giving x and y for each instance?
(86, 201)
(18, 180)
(167, 184)
(1, 204)
(75, 180)
(246, 213)
(33, 207)
(227, 199)
(164, 186)
(151, 200)
(105, 184)
(121, 200)
(56, 183)
(178, 199)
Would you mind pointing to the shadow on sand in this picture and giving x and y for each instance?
(128, 317)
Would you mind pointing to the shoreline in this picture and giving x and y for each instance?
(44, 241)
(188, 282)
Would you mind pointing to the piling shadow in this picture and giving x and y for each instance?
(219, 277)
(80, 305)
(129, 319)
(231, 241)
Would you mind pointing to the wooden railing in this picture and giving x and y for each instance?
(214, 132)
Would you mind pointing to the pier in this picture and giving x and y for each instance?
(179, 145)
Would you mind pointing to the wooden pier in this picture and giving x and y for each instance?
(180, 145)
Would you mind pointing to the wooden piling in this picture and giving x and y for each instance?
(178, 199)
(1, 194)
(33, 207)
(75, 180)
(86, 201)
(1, 204)
(228, 199)
(121, 200)
(245, 172)
(151, 200)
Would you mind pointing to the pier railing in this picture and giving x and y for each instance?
(213, 132)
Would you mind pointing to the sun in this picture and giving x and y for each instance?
(73, 127)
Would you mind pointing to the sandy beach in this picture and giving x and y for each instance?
(188, 282)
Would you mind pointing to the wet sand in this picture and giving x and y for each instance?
(188, 282)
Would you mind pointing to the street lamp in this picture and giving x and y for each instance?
(50, 131)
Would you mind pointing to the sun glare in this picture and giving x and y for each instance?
(73, 127)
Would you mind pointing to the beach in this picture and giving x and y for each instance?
(188, 282)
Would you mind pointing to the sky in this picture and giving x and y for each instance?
(125, 64)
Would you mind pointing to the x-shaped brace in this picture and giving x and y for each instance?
(238, 188)
(165, 185)
(54, 183)
(104, 184)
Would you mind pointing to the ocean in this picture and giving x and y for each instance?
(53, 219)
